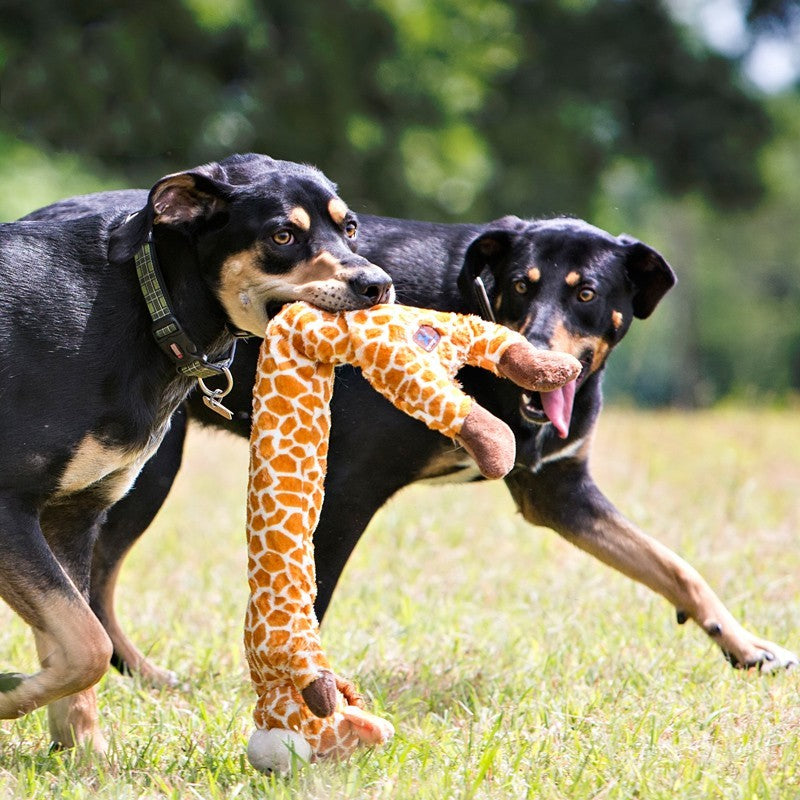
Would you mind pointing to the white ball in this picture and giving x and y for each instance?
(277, 750)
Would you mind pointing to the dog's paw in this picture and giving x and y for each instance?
(745, 651)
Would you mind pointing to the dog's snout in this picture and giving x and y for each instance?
(373, 284)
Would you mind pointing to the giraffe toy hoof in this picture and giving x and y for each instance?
(277, 750)
(371, 730)
(320, 695)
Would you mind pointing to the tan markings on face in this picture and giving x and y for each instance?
(565, 342)
(337, 208)
(321, 267)
(534, 274)
(300, 217)
(616, 319)
(245, 289)
(573, 278)
(498, 302)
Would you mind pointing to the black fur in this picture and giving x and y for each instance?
(87, 394)
(376, 450)
(385, 450)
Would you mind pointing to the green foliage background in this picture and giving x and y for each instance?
(615, 110)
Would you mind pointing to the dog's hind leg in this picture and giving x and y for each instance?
(127, 520)
(74, 649)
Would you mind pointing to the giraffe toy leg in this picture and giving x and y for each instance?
(287, 735)
(411, 356)
(304, 712)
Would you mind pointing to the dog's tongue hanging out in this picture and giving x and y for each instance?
(558, 407)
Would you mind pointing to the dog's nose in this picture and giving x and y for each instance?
(373, 284)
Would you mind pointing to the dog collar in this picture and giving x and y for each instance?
(172, 339)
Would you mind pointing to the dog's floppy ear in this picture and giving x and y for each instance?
(484, 256)
(649, 273)
(178, 200)
(188, 196)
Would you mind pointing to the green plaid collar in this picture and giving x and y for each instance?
(173, 340)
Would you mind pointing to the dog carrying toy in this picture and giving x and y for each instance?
(411, 356)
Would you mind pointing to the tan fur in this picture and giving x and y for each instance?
(93, 462)
(245, 288)
(573, 278)
(337, 208)
(123, 647)
(300, 217)
(74, 652)
(534, 274)
(565, 342)
(617, 319)
(177, 199)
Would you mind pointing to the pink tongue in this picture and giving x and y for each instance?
(558, 407)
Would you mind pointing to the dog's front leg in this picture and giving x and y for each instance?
(73, 648)
(564, 497)
(73, 720)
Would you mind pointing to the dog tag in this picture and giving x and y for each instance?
(216, 406)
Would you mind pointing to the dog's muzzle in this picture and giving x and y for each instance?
(372, 284)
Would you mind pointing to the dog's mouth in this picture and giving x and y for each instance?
(274, 307)
(540, 408)
(334, 296)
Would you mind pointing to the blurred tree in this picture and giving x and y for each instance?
(449, 109)
(732, 325)
(609, 109)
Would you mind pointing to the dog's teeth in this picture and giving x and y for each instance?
(526, 398)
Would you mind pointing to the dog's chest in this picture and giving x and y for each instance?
(110, 468)
(452, 465)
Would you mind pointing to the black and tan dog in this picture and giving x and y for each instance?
(566, 285)
(96, 360)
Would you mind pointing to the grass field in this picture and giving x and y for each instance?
(511, 664)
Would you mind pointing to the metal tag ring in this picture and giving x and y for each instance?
(217, 393)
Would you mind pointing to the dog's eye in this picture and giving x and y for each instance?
(283, 236)
(351, 229)
(586, 295)
(521, 287)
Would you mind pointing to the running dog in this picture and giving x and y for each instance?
(108, 319)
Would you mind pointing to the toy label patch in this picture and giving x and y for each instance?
(427, 337)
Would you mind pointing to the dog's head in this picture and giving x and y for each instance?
(566, 286)
(263, 232)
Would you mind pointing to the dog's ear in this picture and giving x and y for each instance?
(483, 258)
(179, 200)
(188, 196)
(649, 273)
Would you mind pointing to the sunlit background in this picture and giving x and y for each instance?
(678, 122)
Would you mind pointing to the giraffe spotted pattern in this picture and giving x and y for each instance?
(409, 355)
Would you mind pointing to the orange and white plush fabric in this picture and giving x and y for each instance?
(411, 356)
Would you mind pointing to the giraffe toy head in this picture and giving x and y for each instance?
(411, 356)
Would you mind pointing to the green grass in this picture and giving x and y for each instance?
(511, 664)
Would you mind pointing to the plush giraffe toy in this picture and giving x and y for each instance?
(411, 356)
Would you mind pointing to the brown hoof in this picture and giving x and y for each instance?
(320, 695)
(538, 370)
(489, 441)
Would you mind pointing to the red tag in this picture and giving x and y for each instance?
(427, 337)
